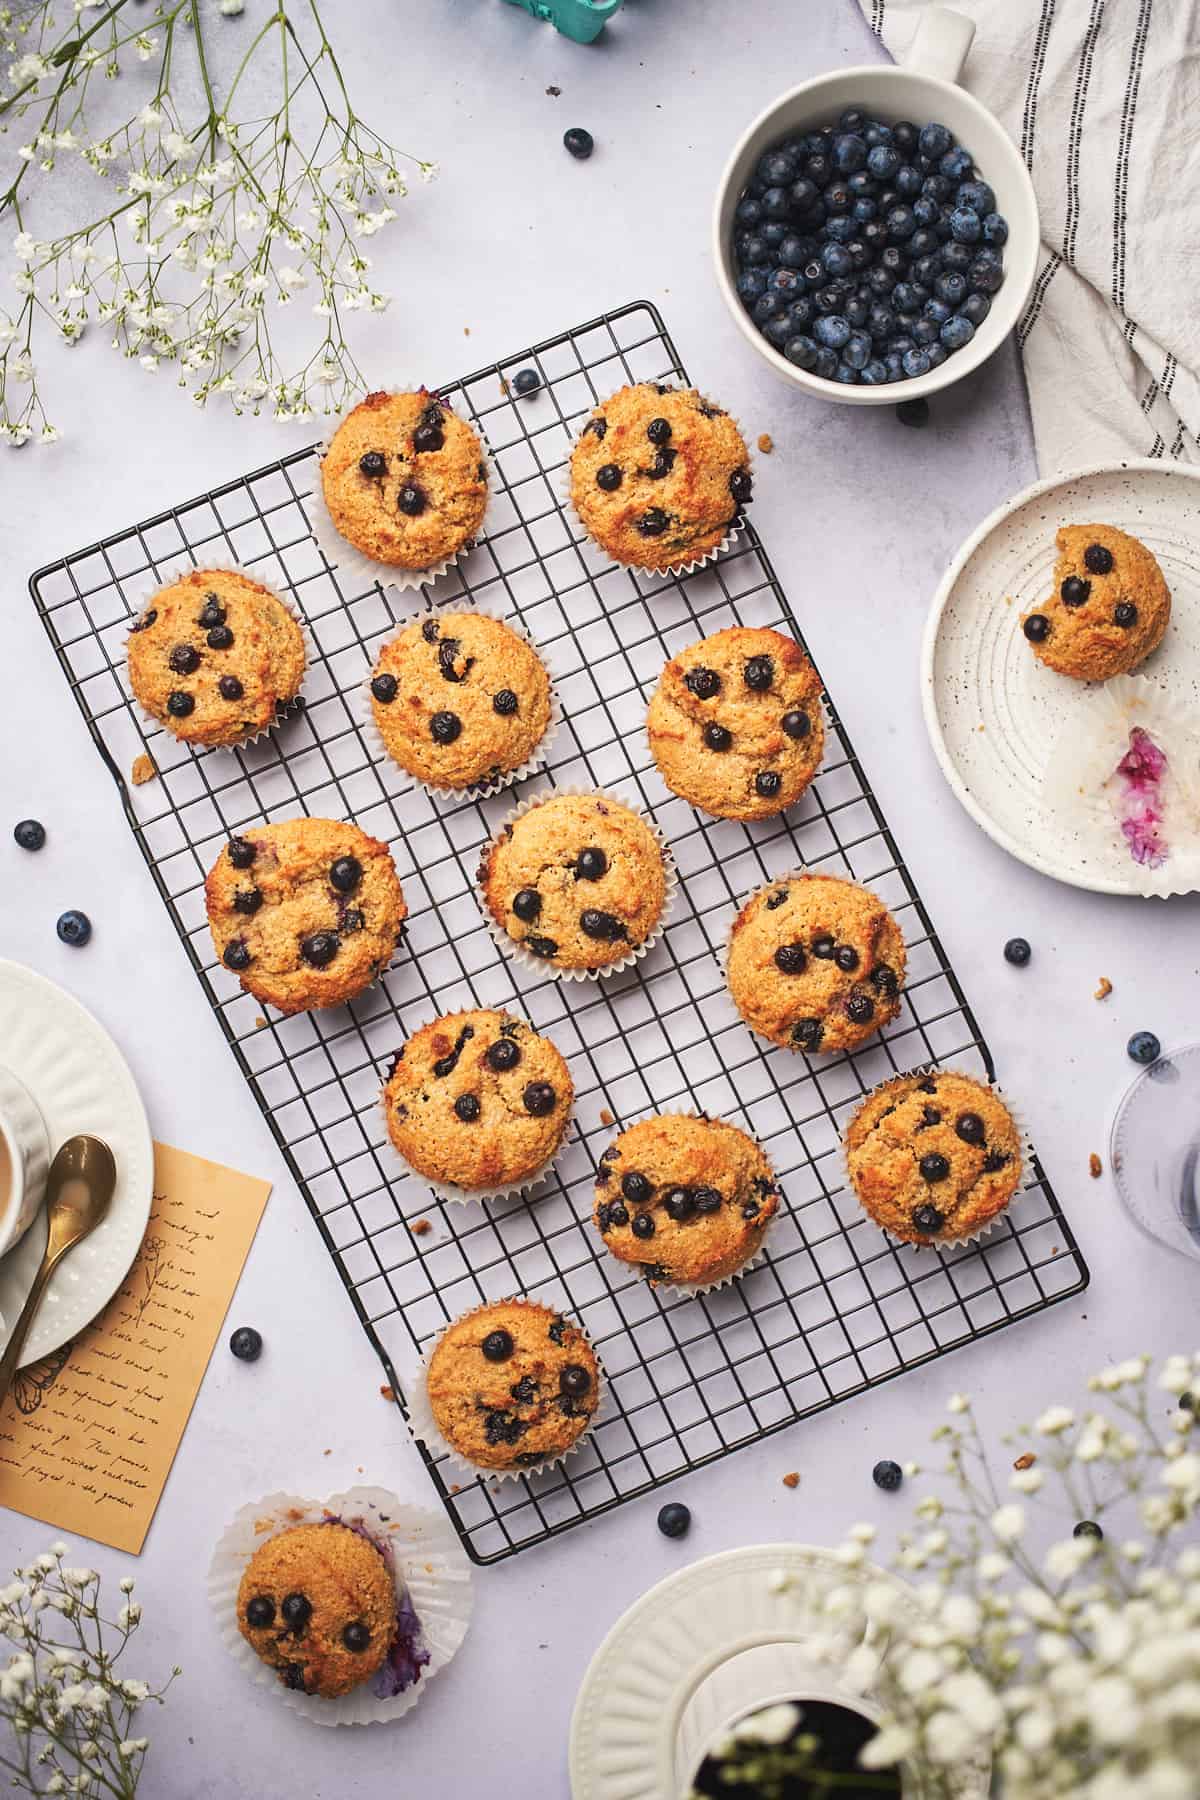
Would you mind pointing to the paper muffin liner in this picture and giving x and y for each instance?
(693, 1288)
(460, 1196)
(563, 487)
(226, 566)
(535, 964)
(1026, 1146)
(341, 553)
(1082, 761)
(424, 1426)
(480, 790)
(777, 881)
(421, 1549)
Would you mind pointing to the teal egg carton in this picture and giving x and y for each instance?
(582, 20)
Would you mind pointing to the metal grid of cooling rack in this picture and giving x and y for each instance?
(836, 1308)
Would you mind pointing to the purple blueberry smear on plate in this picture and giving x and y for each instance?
(868, 255)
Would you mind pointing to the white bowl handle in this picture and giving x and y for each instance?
(940, 46)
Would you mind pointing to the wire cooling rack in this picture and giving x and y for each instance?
(836, 1308)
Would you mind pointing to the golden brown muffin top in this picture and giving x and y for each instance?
(1109, 608)
(513, 1384)
(318, 1604)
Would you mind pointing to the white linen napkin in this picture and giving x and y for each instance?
(1102, 97)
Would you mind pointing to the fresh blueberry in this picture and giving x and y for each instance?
(1087, 1528)
(965, 226)
(803, 195)
(900, 223)
(909, 296)
(984, 277)
(751, 285)
(925, 332)
(957, 332)
(833, 331)
(836, 260)
(936, 312)
(934, 141)
(752, 249)
(889, 1475)
(956, 165)
(916, 362)
(74, 928)
(526, 381)
(776, 203)
(801, 350)
(30, 834)
(1017, 952)
(951, 286)
(838, 200)
(978, 196)
(246, 1344)
(976, 307)
(850, 153)
(957, 257)
(995, 229)
(1144, 1047)
(579, 142)
(827, 362)
(748, 212)
(674, 1520)
(777, 168)
(883, 160)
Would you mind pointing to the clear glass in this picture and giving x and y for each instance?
(1154, 1150)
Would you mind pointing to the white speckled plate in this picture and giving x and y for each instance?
(81, 1082)
(993, 710)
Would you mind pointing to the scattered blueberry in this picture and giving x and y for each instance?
(30, 834)
(913, 412)
(526, 381)
(1143, 1046)
(1087, 1528)
(887, 1475)
(246, 1344)
(579, 142)
(1017, 952)
(74, 928)
(674, 1521)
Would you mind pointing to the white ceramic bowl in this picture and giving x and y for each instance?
(923, 89)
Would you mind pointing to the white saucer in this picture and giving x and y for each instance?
(81, 1082)
(641, 1678)
(993, 710)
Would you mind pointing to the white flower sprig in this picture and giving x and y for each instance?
(220, 216)
(68, 1703)
(1074, 1668)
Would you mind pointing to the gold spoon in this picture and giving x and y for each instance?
(79, 1189)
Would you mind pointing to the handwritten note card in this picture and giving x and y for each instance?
(88, 1435)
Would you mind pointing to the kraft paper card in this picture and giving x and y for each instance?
(88, 1435)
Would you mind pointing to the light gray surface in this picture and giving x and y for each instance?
(861, 516)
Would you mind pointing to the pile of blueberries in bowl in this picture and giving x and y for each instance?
(866, 252)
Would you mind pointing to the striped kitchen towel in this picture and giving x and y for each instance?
(1103, 99)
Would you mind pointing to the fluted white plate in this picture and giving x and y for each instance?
(648, 1667)
(993, 710)
(81, 1082)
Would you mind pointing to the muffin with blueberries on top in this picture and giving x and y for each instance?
(816, 962)
(735, 723)
(405, 479)
(1109, 609)
(215, 657)
(317, 1603)
(659, 475)
(512, 1385)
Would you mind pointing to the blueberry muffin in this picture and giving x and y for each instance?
(317, 1603)
(214, 657)
(1109, 608)
(578, 881)
(658, 475)
(816, 963)
(306, 913)
(933, 1158)
(735, 723)
(686, 1199)
(405, 481)
(460, 700)
(512, 1385)
(478, 1100)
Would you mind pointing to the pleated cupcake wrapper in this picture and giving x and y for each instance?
(426, 1559)
(1084, 757)
(536, 965)
(482, 790)
(460, 1196)
(694, 1288)
(1026, 1143)
(563, 486)
(778, 881)
(226, 567)
(342, 554)
(424, 1426)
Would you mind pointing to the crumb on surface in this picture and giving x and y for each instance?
(259, 1022)
(1104, 990)
(327, 1453)
(553, 91)
(791, 1479)
(143, 770)
(421, 1227)
(387, 1392)
(606, 1117)
(1095, 1166)
(765, 443)
(455, 1488)
(1025, 1461)
(466, 331)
